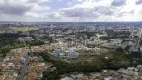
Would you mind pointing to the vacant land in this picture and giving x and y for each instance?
(4, 29)
(24, 29)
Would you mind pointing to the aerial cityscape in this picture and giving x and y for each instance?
(70, 51)
(70, 39)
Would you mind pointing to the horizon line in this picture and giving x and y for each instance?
(73, 22)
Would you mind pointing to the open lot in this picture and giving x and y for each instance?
(4, 29)
(24, 29)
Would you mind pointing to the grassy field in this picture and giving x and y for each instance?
(4, 29)
(24, 29)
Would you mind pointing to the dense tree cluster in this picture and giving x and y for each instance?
(35, 42)
(113, 60)
(9, 41)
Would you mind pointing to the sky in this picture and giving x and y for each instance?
(70, 10)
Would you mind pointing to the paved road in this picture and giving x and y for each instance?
(23, 70)
(138, 44)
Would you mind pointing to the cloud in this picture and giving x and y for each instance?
(15, 9)
(88, 9)
(104, 10)
(20, 7)
(118, 2)
(32, 14)
(53, 15)
(71, 10)
(77, 12)
(138, 2)
(38, 1)
(94, 12)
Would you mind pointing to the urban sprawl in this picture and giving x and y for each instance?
(70, 51)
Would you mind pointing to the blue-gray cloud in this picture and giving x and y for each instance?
(14, 9)
(87, 12)
(19, 7)
(79, 12)
(118, 2)
(104, 10)
(139, 2)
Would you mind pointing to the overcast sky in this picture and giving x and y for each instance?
(71, 10)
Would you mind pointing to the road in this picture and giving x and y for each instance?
(24, 65)
(140, 38)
